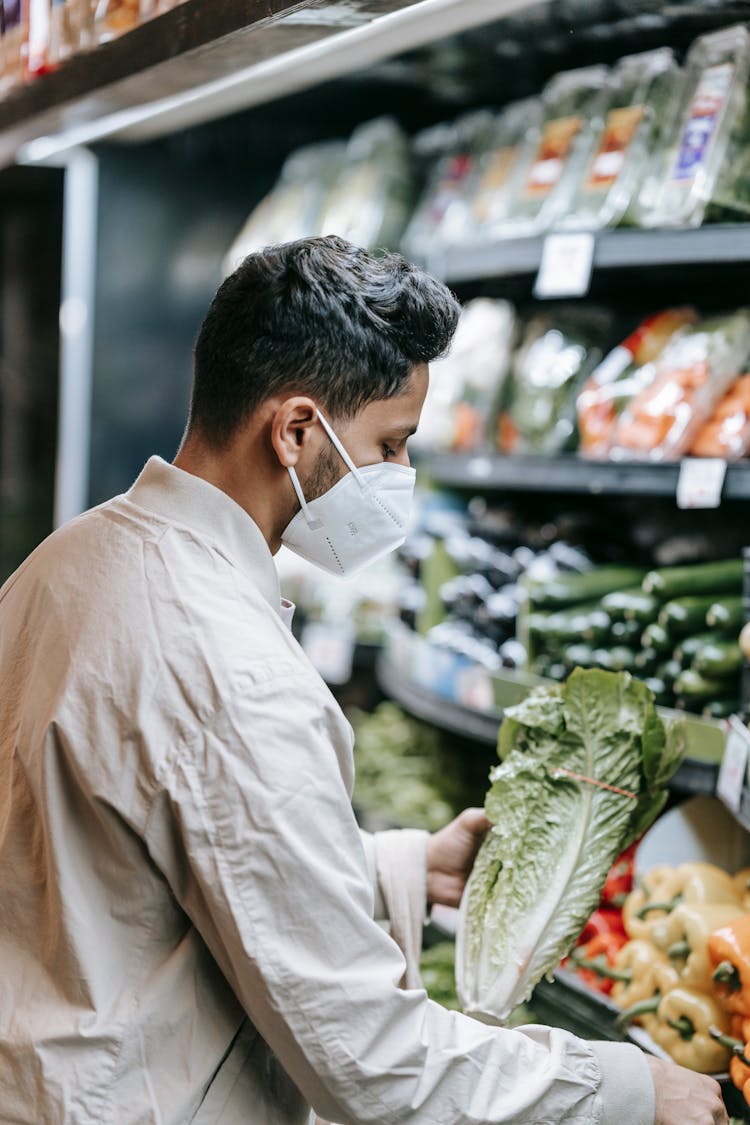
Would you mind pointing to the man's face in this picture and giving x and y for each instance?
(379, 432)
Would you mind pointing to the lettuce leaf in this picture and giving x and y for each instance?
(540, 871)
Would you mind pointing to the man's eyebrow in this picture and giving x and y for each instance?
(403, 431)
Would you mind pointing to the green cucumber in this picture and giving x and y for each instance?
(620, 603)
(718, 658)
(669, 671)
(620, 658)
(586, 622)
(646, 660)
(686, 615)
(687, 648)
(656, 637)
(701, 578)
(694, 687)
(624, 632)
(570, 589)
(642, 608)
(728, 613)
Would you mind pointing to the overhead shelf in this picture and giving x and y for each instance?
(571, 474)
(613, 250)
(201, 61)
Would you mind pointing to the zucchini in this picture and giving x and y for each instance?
(617, 659)
(621, 602)
(726, 614)
(624, 632)
(718, 658)
(646, 660)
(643, 608)
(720, 708)
(662, 694)
(586, 622)
(569, 589)
(701, 578)
(693, 687)
(669, 671)
(683, 616)
(656, 637)
(687, 648)
(579, 656)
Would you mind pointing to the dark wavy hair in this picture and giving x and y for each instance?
(318, 317)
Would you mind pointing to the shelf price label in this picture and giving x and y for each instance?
(700, 482)
(733, 770)
(565, 268)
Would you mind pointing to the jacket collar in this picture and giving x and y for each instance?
(187, 499)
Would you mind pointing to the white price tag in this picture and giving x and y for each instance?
(700, 482)
(565, 268)
(733, 771)
(330, 649)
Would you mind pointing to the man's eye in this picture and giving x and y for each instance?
(387, 451)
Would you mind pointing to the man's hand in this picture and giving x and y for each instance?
(684, 1097)
(450, 855)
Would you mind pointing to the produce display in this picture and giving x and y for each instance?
(583, 771)
(676, 627)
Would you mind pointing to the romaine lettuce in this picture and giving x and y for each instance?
(540, 871)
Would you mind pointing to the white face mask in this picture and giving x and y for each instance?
(361, 518)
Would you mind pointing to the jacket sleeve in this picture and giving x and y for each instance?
(253, 828)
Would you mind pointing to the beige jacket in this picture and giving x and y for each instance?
(186, 903)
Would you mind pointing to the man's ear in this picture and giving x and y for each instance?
(293, 428)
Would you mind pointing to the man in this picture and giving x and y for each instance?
(186, 903)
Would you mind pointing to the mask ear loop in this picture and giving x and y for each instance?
(312, 523)
(344, 455)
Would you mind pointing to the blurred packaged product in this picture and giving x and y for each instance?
(644, 101)
(556, 356)
(727, 432)
(693, 374)
(450, 154)
(704, 172)
(573, 107)
(465, 384)
(498, 168)
(113, 17)
(38, 43)
(14, 43)
(292, 208)
(371, 200)
(624, 373)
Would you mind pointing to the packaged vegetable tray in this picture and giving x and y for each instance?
(700, 169)
(644, 99)
(573, 105)
(727, 432)
(693, 374)
(499, 167)
(624, 373)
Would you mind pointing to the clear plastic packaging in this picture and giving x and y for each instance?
(696, 170)
(292, 208)
(625, 372)
(693, 374)
(498, 168)
(450, 152)
(644, 98)
(727, 432)
(14, 44)
(573, 105)
(113, 17)
(465, 384)
(370, 202)
(554, 360)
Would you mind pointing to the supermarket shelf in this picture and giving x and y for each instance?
(613, 250)
(697, 774)
(201, 61)
(571, 474)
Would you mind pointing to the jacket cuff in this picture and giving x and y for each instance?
(627, 1088)
(401, 863)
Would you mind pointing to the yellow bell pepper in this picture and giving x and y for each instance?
(664, 888)
(682, 1027)
(683, 935)
(650, 975)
